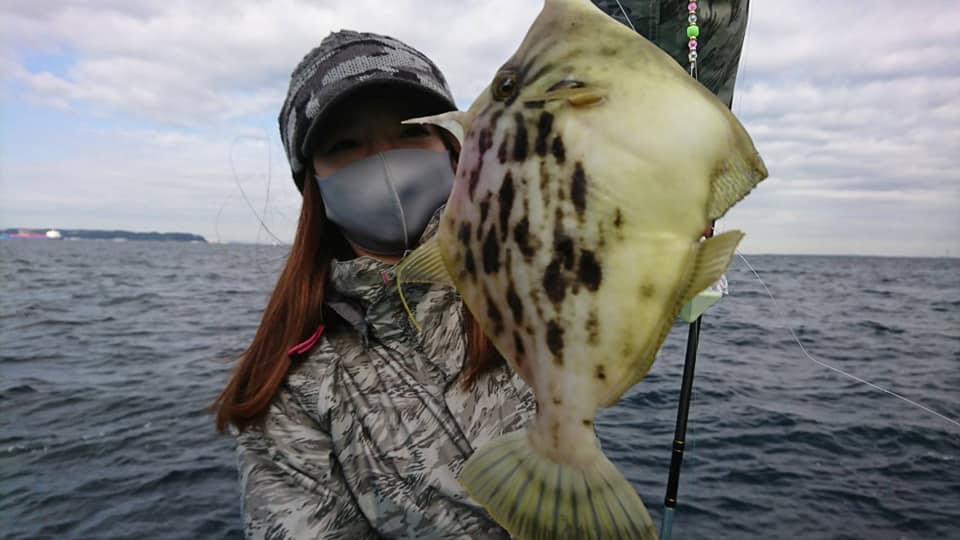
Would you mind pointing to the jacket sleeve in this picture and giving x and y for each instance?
(291, 482)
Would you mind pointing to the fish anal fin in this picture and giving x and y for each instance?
(533, 496)
(456, 122)
(422, 265)
(713, 258)
(733, 179)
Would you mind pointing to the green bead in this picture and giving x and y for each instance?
(693, 31)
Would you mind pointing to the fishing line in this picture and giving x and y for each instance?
(742, 69)
(266, 198)
(836, 369)
(625, 16)
(243, 193)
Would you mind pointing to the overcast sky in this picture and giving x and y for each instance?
(146, 115)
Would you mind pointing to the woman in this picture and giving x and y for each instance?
(352, 424)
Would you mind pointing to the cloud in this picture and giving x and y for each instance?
(194, 62)
(854, 110)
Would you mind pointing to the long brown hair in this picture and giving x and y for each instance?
(294, 312)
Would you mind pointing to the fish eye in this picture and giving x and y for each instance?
(504, 85)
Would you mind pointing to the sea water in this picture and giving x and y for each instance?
(111, 353)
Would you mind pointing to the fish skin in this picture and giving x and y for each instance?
(573, 228)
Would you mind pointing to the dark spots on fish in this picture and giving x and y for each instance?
(518, 345)
(545, 183)
(495, 116)
(587, 422)
(646, 291)
(493, 314)
(544, 127)
(593, 327)
(618, 218)
(578, 188)
(554, 283)
(608, 51)
(563, 249)
(464, 234)
(555, 435)
(535, 104)
(558, 150)
(516, 306)
(502, 151)
(565, 84)
(485, 141)
(557, 400)
(589, 273)
(469, 264)
(484, 211)
(521, 235)
(520, 143)
(506, 195)
(555, 341)
(600, 372)
(474, 180)
(540, 72)
(491, 252)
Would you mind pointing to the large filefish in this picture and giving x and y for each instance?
(589, 170)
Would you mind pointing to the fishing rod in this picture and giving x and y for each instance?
(693, 311)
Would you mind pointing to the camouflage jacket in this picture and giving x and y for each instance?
(368, 433)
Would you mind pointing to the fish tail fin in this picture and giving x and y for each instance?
(533, 496)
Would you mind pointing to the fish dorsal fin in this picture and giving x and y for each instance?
(735, 177)
(422, 265)
(713, 257)
(456, 122)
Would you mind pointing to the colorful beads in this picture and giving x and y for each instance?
(693, 31)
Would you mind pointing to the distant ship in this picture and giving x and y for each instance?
(52, 234)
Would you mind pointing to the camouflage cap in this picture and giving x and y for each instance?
(345, 62)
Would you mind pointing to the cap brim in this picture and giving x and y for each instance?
(311, 138)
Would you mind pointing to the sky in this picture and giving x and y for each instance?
(161, 115)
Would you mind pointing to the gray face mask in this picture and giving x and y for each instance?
(382, 203)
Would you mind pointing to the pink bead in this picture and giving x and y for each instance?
(692, 7)
(692, 44)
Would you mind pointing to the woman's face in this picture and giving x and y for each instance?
(365, 125)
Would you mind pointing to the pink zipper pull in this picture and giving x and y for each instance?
(307, 344)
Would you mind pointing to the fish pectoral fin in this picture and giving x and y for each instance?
(734, 178)
(533, 496)
(713, 257)
(422, 265)
(456, 122)
(578, 97)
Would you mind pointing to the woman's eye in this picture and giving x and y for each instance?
(414, 131)
(340, 146)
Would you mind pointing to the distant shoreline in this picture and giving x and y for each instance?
(98, 234)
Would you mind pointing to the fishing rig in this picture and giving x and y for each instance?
(668, 23)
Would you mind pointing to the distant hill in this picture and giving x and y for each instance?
(94, 234)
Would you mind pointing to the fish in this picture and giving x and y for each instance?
(589, 169)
